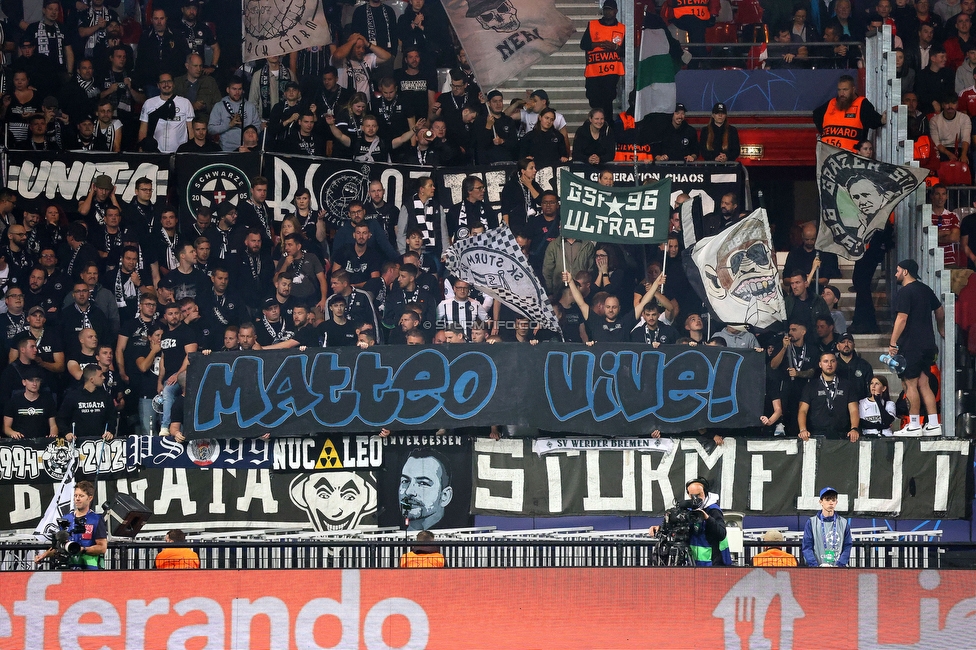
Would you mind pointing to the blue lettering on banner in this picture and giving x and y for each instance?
(425, 384)
(638, 386)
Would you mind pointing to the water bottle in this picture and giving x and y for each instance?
(896, 363)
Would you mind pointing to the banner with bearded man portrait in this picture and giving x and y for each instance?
(738, 273)
(856, 196)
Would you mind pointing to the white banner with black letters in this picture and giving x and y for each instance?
(908, 479)
(281, 27)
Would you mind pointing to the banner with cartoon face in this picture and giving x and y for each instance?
(856, 196)
(504, 37)
(739, 274)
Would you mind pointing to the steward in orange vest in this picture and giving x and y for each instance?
(603, 42)
(845, 120)
(626, 134)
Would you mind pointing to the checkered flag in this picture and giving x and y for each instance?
(493, 262)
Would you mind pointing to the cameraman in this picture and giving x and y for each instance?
(709, 546)
(93, 539)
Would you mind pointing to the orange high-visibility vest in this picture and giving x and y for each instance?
(625, 150)
(695, 8)
(843, 129)
(600, 62)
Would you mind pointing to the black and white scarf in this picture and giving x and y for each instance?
(423, 216)
(90, 19)
(255, 263)
(262, 212)
(45, 41)
(264, 81)
(372, 33)
(91, 91)
(124, 288)
(279, 335)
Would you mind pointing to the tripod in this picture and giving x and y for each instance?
(673, 553)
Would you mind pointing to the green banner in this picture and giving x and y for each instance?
(637, 215)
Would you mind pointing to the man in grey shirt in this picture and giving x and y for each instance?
(232, 115)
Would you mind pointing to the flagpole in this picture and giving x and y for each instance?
(563, 242)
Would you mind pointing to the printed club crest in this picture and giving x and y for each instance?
(215, 184)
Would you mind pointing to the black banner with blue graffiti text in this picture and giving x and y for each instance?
(610, 390)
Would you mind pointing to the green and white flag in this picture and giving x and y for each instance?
(656, 92)
(625, 215)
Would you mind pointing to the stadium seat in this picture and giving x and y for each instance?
(955, 173)
(721, 33)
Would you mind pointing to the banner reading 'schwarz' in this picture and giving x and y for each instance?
(207, 180)
(66, 178)
(910, 479)
(606, 389)
(637, 215)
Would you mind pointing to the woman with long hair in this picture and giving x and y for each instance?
(520, 196)
(289, 225)
(719, 140)
(877, 410)
(612, 275)
(313, 224)
(594, 142)
(350, 122)
(18, 106)
(544, 144)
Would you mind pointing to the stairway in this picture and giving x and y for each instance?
(561, 73)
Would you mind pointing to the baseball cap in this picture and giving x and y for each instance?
(269, 303)
(86, 117)
(541, 94)
(827, 490)
(103, 182)
(50, 102)
(610, 3)
(27, 40)
(36, 308)
(773, 536)
(680, 108)
(911, 266)
(292, 84)
(719, 108)
(846, 336)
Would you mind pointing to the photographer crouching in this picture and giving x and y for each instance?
(82, 539)
(694, 529)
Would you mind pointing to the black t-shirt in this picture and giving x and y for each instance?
(337, 335)
(663, 334)
(187, 285)
(376, 151)
(31, 417)
(359, 267)
(145, 384)
(829, 414)
(604, 331)
(572, 319)
(174, 348)
(918, 301)
(309, 336)
(391, 117)
(412, 91)
(83, 360)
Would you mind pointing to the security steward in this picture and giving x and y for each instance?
(828, 406)
(845, 120)
(694, 17)
(603, 42)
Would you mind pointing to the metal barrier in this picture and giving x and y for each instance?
(892, 145)
(638, 551)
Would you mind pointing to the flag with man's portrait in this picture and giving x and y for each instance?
(856, 196)
(502, 38)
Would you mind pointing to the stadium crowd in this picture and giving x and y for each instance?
(103, 303)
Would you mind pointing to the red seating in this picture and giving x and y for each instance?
(721, 33)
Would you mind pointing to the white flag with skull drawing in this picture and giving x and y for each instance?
(738, 270)
(504, 37)
(856, 196)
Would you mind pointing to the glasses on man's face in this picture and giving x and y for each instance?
(16, 296)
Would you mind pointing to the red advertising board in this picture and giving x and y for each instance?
(489, 608)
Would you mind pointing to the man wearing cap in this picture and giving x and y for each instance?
(84, 136)
(166, 118)
(828, 406)
(853, 367)
(845, 120)
(680, 142)
(197, 36)
(827, 540)
(774, 556)
(177, 344)
(201, 89)
(913, 338)
(709, 544)
(45, 76)
(270, 327)
(100, 196)
(31, 413)
(286, 114)
(603, 42)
